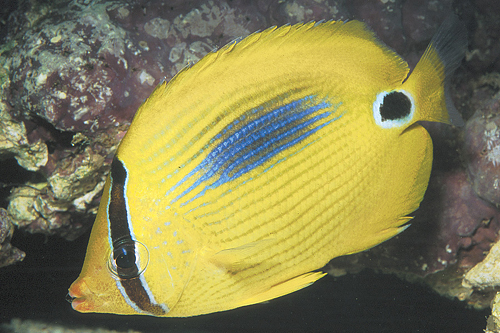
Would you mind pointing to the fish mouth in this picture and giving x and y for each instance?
(69, 298)
(74, 300)
(76, 296)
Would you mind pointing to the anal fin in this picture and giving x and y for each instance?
(284, 288)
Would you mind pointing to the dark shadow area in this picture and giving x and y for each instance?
(12, 175)
(366, 302)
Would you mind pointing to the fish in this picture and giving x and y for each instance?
(245, 174)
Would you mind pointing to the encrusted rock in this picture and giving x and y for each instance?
(486, 274)
(8, 253)
(482, 138)
(493, 323)
(14, 142)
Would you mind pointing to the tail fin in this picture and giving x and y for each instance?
(429, 81)
(450, 42)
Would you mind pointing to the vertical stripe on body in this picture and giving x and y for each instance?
(134, 290)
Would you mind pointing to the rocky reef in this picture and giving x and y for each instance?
(73, 73)
(485, 276)
(8, 253)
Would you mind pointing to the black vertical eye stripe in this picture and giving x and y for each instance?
(120, 234)
(117, 208)
(135, 290)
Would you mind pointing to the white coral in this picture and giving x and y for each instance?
(492, 138)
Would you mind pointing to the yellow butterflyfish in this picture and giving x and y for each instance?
(244, 175)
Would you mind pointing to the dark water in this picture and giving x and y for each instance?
(366, 302)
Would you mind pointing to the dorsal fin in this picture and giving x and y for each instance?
(298, 32)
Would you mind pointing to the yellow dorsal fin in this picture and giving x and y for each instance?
(284, 288)
(312, 31)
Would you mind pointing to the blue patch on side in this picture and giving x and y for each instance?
(253, 139)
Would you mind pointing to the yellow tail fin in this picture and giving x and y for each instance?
(429, 81)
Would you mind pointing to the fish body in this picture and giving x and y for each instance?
(247, 172)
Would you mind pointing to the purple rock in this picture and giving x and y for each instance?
(422, 18)
(482, 148)
(384, 17)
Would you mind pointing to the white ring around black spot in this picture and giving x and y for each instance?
(392, 123)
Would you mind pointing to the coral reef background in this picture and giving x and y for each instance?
(72, 75)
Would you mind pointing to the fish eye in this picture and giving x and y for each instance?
(128, 259)
(393, 108)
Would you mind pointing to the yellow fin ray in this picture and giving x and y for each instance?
(284, 288)
(312, 33)
(398, 226)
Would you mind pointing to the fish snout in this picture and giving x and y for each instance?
(78, 296)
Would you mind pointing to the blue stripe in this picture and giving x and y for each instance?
(253, 139)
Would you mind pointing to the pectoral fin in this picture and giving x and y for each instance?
(237, 258)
